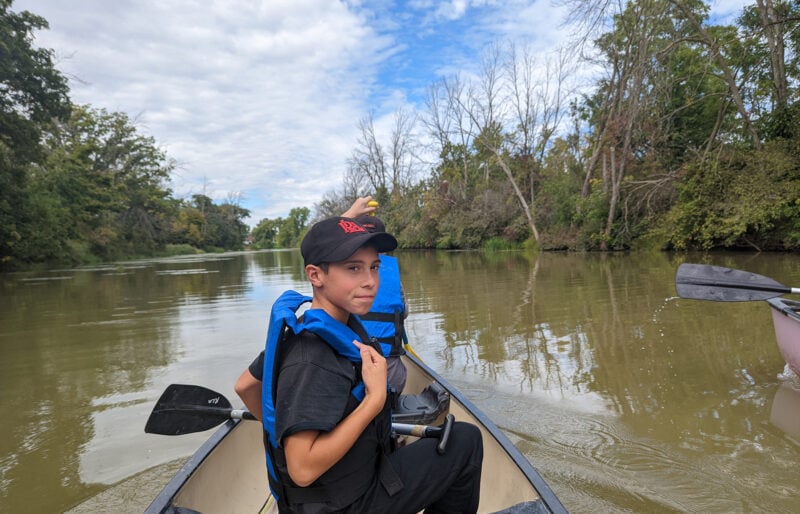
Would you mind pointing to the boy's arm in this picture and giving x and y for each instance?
(359, 208)
(248, 388)
(311, 453)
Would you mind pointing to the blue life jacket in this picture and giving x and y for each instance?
(384, 321)
(339, 336)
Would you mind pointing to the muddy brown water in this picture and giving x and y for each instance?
(624, 397)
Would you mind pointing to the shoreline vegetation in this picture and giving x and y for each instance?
(688, 139)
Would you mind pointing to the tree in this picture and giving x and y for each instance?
(229, 229)
(291, 229)
(770, 35)
(32, 92)
(506, 93)
(385, 172)
(264, 234)
(111, 179)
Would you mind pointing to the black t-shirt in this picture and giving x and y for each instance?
(314, 385)
(313, 392)
(257, 367)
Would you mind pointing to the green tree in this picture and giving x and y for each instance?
(32, 92)
(282, 232)
(228, 228)
(203, 224)
(769, 34)
(112, 182)
(291, 229)
(264, 234)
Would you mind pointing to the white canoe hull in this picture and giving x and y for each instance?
(228, 473)
(786, 320)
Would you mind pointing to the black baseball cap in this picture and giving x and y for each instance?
(371, 223)
(336, 239)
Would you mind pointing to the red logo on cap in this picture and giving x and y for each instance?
(351, 227)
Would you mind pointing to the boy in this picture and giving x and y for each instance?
(331, 450)
(388, 299)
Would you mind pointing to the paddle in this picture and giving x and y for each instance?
(185, 409)
(705, 282)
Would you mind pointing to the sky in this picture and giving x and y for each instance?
(258, 102)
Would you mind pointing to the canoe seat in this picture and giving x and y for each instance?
(423, 408)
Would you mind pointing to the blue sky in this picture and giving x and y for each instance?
(260, 100)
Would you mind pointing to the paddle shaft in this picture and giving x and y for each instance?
(416, 430)
(186, 409)
(226, 414)
(748, 287)
(219, 412)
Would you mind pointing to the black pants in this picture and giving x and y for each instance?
(448, 483)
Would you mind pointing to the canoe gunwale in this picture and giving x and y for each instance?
(786, 307)
(164, 500)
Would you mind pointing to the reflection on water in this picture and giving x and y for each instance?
(785, 412)
(86, 352)
(623, 396)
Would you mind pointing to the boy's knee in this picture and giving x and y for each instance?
(468, 437)
(468, 430)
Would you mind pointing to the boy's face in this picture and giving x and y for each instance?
(348, 286)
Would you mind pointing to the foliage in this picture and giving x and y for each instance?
(100, 193)
(292, 229)
(283, 232)
(203, 224)
(264, 234)
(751, 202)
(499, 244)
(32, 92)
(109, 181)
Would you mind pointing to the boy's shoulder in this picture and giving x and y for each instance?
(307, 348)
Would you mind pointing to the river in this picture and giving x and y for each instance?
(624, 397)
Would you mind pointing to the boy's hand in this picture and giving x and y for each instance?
(373, 372)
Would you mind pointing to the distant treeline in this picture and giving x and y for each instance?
(689, 139)
(79, 184)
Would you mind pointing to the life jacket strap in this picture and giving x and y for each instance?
(316, 494)
(396, 340)
(378, 316)
(389, 478)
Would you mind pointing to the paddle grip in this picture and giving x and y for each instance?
(445, 435)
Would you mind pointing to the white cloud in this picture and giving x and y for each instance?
(249, 97)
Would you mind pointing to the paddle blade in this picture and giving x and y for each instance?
(719, 284)
(185, 409)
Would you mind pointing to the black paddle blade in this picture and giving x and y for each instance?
(715, 283)
(185, 409)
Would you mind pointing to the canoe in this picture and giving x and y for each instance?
(720, 284)
(786, 320)
(228, 473)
